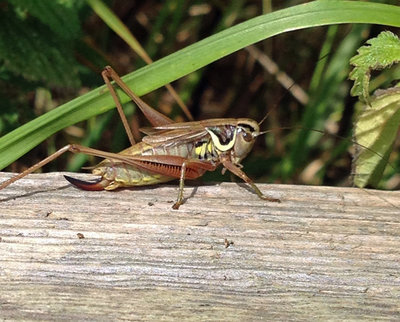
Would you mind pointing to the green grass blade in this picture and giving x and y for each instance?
(318, 109)
(191, 58)
(119, 28)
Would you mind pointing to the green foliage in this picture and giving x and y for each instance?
(36, 41)
(326, 86)
(60, 16)
(375, 131)
(382, 52)
(77, 44)
(378, 123)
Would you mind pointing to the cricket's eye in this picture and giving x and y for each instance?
(246, 135)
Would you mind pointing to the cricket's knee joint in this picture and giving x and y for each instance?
(107, 71)
(73, 148)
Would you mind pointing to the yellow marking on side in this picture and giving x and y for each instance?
(209, 147)
(197, 150)
(201, 150)
(220, 146)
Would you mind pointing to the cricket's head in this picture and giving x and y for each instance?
(247, 131)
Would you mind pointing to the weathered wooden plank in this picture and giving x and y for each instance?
(321, 253)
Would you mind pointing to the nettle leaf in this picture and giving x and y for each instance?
(60, 16)
(382, 52)
(378, 123)
(376, 129)
(31, 49)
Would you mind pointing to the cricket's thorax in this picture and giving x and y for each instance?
(216, 141)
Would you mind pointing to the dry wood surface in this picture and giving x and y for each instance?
(321, 254)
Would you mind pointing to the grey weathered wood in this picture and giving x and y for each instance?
(323, 253)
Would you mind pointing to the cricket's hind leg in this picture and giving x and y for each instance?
(74, 148)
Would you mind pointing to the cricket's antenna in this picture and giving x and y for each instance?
(264, 118)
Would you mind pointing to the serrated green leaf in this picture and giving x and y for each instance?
(382, 52)
(376, 129)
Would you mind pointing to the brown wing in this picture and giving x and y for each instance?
(175, 136)
(194, 125)
(182, 132)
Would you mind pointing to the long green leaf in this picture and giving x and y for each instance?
(191, 58)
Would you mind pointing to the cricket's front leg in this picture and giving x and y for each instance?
(238, 172)
(191, 169)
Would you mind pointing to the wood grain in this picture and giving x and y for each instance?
(322, 253)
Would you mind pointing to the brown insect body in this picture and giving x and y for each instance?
(169, 151)
(190, 141)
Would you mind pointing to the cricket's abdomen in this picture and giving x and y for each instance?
(116, 174)
(119, 175)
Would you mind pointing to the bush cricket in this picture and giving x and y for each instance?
(169, 150)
